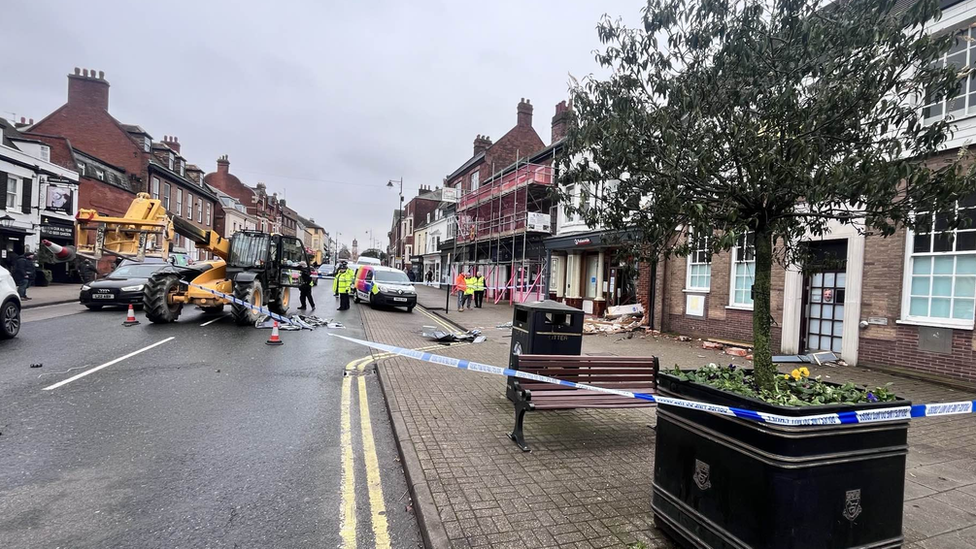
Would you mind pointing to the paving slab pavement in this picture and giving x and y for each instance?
(587, 482)
(51, 295)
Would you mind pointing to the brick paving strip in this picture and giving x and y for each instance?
(587, 482)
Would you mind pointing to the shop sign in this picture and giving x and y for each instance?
(57, 228)
(581, 241)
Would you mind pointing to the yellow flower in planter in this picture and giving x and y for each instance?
(795, 374)
(786, 376)
(804, 371)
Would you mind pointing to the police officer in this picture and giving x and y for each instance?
(341, 285)
(305, 288)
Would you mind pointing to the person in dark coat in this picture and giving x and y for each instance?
(23, 274)
(305, 288)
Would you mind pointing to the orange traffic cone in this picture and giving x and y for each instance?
(130, 319)
(274, 339)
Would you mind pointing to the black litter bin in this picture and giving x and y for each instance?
(545, 328)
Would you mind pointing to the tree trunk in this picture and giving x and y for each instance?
(762, 356)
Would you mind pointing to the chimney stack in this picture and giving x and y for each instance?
(174, 143)
(88, 89)
(524, 111)
(481, 144)
(223, 166)
(560, 121)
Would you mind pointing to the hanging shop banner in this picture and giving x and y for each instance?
(59, 199)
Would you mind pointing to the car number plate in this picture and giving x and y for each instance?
(399, 299)
(103, 296)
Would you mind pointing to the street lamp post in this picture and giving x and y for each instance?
(338, 234)
(399, 246)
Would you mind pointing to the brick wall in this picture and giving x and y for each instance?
(104, 198)
(85, 121)
(719, 321)
(894, 344)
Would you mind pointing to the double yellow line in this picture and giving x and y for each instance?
(377, 506)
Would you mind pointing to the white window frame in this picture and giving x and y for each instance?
(475, 180)
(692, 261)
(154, 188)
(906, 291)
(167, 190)
(171, 159)
(15, 183)
(179, 201)
(189, 206)
(209, 214)
(967, 95)
(199, 210)
(45, 153)
(146, 143)
(732, 265)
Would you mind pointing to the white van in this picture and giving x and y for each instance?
(366, 260)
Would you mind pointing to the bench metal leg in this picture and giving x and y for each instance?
(516, 434)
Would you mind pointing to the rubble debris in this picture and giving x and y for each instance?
(736, 351)
(504, 326)
(748, 357)
(712, 345)
(683, 338)
(38, 365)
(622, 324)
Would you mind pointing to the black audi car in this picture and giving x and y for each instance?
(122, 286)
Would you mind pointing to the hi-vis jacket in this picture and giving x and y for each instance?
(469, 284)
(342, 281)
(479, 284)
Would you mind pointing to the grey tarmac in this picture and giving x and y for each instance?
(211, 439)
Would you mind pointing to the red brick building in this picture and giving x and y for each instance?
(266, 208)
(154, 167)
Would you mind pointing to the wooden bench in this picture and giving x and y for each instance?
(633, 374)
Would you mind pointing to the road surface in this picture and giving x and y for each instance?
(194, 434)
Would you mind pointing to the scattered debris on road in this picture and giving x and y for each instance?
(627, 323)
(38, 365)
(304, 322)
(504, 326)
(473, 336)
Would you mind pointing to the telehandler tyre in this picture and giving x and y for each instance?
(155, 299)
(281, 301)
(251, 293)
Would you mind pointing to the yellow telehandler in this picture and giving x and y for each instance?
(257, 268)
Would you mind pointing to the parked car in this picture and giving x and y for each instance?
(122, 286)
(9, 306)
(327, 269)
(384, 286)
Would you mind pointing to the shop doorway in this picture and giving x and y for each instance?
(824, 293)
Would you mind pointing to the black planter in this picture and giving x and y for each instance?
(724, 482)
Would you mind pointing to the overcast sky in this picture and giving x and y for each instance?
(323, 101)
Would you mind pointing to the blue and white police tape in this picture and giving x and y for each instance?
(897, 413)
(258, 308)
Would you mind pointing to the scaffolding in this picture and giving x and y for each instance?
(501, 225)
